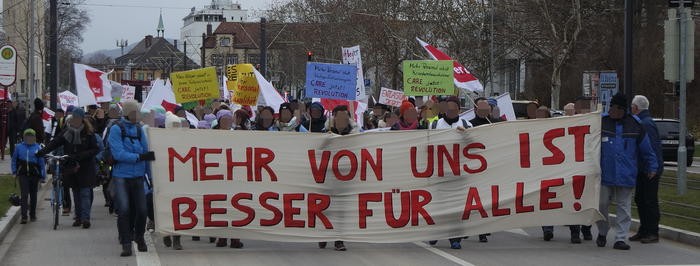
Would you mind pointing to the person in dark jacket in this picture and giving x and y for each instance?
(624, 142)
(646, 194)
(408, 118)
(80, 172)
(36, 120)
(483, 113)
(317, 123)
(13, 124)
(29, 169)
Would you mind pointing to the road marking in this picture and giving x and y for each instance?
(443, 254)
(518, 231)
(149, 258)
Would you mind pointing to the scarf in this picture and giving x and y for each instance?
(291, 126)
(403, 126)
(72, 135)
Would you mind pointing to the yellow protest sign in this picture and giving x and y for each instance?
(245, 85)
(194, 85)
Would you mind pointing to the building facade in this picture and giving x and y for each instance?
(195, 24)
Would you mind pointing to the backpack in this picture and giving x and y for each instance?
(107, 156)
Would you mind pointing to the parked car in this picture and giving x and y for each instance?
(668, 134)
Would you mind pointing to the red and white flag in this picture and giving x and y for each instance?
(92, 85)
(161, 94)
(46, 117)
(463, 78)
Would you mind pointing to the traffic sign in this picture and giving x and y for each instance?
(8, 65)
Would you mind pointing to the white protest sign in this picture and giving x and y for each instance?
(391, 97)
(67, 98)
(351, 55)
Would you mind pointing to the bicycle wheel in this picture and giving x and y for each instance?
(56, 206)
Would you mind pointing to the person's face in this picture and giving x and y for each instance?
(113, 113)
(635, 110)
(134, 117)
(215, 105)
(378, 111)
(316, 114)
(342, 120)
(483, 109)
(616, 112)
(391, 120)
(542, 113)
(495, 112)
(76, 122)
(285, 116)
(569, 111)
(452, 110)
(59, 115)
(410, 115)
(531, 111)
(266, 118)
(29, 139)
(100, 114)
(294, 105)
(443, 106)
(226, 122)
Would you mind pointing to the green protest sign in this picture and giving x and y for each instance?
(428, 77)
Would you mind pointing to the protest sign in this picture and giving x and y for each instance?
(128, 93)
(428, 77)
(331, 81)
(396, 186)
(193, 85)
(246, 88)
(67, 98)
(391, 97)
(352, 56)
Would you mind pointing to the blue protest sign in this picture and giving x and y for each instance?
(331, 81)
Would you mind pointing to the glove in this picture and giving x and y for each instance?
(40, 153)
(149, 156)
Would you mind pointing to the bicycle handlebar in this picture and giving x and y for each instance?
(56, 157)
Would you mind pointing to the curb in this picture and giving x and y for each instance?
(674, 234)
(9, 220)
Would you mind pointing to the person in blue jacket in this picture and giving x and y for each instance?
(29, 169)
(625, 146)
(131, 156)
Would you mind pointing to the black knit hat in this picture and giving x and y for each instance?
(38, 104)
(619, 100)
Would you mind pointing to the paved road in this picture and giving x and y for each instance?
(37, 244)
(694, 169)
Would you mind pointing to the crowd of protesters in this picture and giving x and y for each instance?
(108, 147)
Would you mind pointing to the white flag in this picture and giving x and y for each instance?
(92, 85)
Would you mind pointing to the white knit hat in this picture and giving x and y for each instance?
(130, 106)
(171, 119)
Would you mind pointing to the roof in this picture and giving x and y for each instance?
(156, 56)
(247, 34)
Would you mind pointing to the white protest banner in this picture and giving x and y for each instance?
(391, 97)
(46, 118)
(396, 186)
(352, 56)
(128, 93)
(505, 104)
(161, 91)
(92, 85)
(67, 98)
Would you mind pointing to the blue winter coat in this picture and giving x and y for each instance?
(27, 153)
(126, 151)
(623, 142)
(653, 134)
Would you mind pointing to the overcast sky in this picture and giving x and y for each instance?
(134, 19)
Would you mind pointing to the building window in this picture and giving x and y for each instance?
(225, 42)
(253, 59)
(232, 59)
(140, 76)
(22, 86)
(217, 59)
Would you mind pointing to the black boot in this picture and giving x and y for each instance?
(586, 231)
(141, 244)
(176, 243)
(126, 250)
(167, 241)
(236, 243)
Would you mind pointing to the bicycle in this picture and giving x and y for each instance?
(57, 183)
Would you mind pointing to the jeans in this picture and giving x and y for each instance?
(83, 203)
(29, 186)
(623, 221)
(646, 197)
(130, 202)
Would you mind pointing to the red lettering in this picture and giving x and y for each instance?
(470, 156)
(376, 164)
(420, 198)
(263, 158)
(473, 203)
(290, 210)
(317, 203)
(172, 155)
(428, 166)
(520, 206)
(250, 212)
(319, 171)
(579, 133)
(203, 165)
(364, 212)
(188, 213)
(389, 209)
(546, 195)
(209, 210)
(276, 213)
(248, 163)
(495, 211)
(336, 165)
(557, 155)
(452, 159)
(524, 150)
